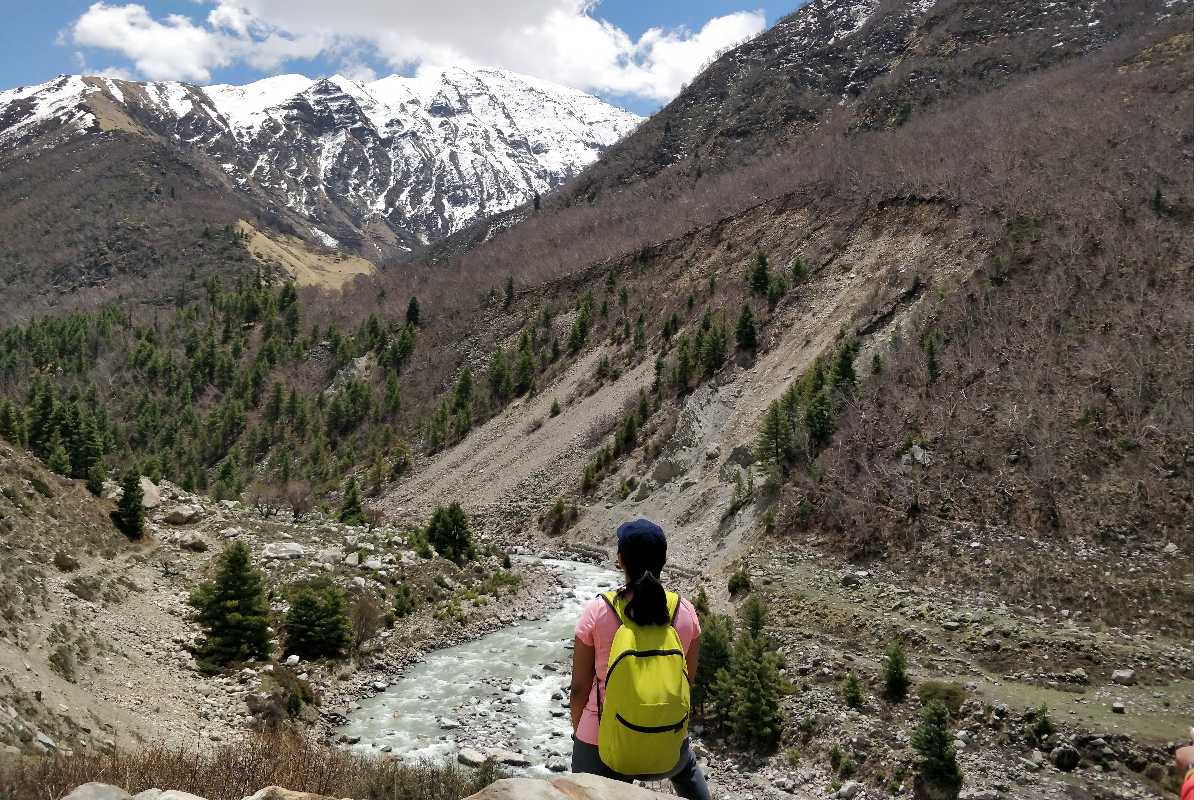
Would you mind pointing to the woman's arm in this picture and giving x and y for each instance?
(583, 675)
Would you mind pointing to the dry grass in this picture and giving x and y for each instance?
(239, 769)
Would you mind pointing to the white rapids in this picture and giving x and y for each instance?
(469, 685)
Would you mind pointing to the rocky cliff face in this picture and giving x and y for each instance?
(378, 168)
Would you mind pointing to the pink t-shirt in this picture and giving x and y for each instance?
(597, 627)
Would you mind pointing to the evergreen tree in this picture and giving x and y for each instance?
(895, 670)
(799, 270)
(524, 372)
(683, 365)
(95, 478)
(413, 315)
(756, 686)
(87, 447)
(841, 373)
(818, 418)
(700, 603)
(932, 740)
(11, 427)
(746, 333)
(57, 458)
(773, 446)
(931, 360)
(876, 364)
(852, 691)
(509, 292)
(464, 389)
(754, 615)
(233, 610)
(497, 374)
(130, 511)
(229, 479)
(716, 653)
(760, 274)
(302, 626)
(711, 347)
(351, 511)
(449, 533)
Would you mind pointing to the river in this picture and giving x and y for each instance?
(471, 685)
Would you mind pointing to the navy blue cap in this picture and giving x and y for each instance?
(641, 538)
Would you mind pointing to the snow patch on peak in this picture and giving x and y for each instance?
(247, 107)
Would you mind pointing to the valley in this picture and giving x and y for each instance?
(887, 319)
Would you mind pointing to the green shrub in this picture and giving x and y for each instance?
(754, 615)
(793, 757)
(950, 695)
(41, 487)
(846, 768)
(1039, 727)
(835, 756)
(406, 601)
(317, 627)
(739, 581)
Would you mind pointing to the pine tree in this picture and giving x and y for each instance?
(931, 360)
(351, 511)
(939, 763)
(302, 626)
(842, 374)
(773, 446)
(509, 292)
(11, 427)
(95, 478)
(760, 274)
(852, 691)
(799, 270)
(876, 364)
(497, 374)
(818, 418)
(555, 408)
(450, 534)
(746, 333)
(130, 511)
(683, 365)
(87, 447)
(229, 479)
(233, 610)
(413, 315)
(57, 458)
(700, 603)
(754, 615)
(525, 369)
(895, 670)
(756, 684)
(464, 389)
(716, 652)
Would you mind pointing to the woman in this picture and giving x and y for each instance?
(642, 606)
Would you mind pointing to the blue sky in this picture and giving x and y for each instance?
(229, 41)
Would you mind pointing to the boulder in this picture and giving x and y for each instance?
(850, 579)
(372, 565)
(1118, 707)
(283, 550)
(1124, 677)
(292, 660)
(507, 757)
(280, 793)
(849, 790)
(194, 542)
(471, 758)
(558, 764)
(183, 515)
(175, 794)
(448, 724)
(332, 556)
(352, 560)
(98, 791)
(579, 786)
(1064, 757)
(151, 496)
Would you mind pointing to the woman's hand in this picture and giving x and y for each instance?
(583, 676)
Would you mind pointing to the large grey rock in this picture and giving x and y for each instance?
(471, 758)
(44, 740)
(448, 724)
(1124, 677)
(280, 793)
(183, 515)
(98, 791)
(352, 560)
(507, 757)
(175, 794)
(151, 496)
(849, 790)
(283, 550)
(1064, 757)
(194, 542)
(372, 565)
(577, 786)
(331, 556)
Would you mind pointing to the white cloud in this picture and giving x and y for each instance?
(553, 39)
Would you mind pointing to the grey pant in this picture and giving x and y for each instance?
(686, 776)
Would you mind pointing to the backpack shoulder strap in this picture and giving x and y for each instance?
(612, 600)
(672, 606)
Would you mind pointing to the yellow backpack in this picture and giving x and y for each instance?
(647, 701)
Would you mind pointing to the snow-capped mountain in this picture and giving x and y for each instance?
(374, 167)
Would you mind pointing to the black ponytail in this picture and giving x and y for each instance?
(648, 605)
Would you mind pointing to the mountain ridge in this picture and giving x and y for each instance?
(377, 169)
